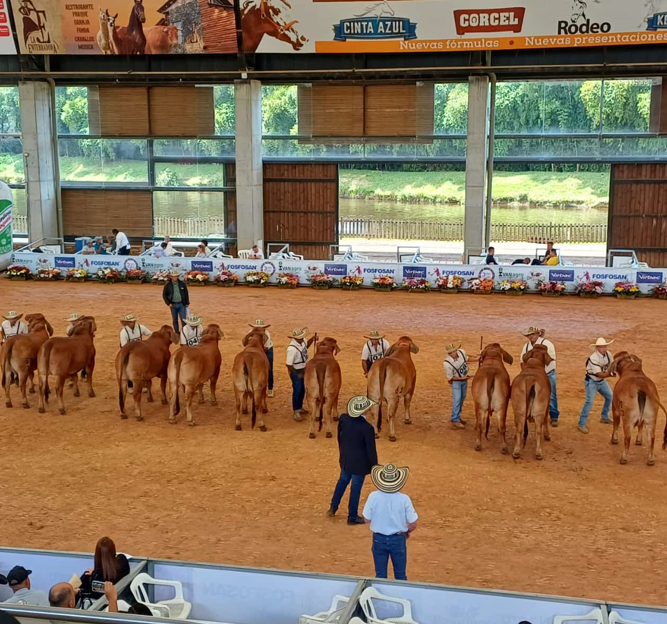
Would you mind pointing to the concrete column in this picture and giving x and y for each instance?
(42, 183)
(476, 156)
(249, 174)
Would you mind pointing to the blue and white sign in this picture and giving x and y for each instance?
(657, 21)
(561, 275)
(202, 265)
(65, 262)
(417, 272)
(339, 270)
(650, 277)
(375, 28)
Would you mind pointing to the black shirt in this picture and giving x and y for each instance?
(356, 441)
(97, 574)
(491, 259)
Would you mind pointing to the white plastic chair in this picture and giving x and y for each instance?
(176, 608)
(332, 615)
(594, 616)
(366, 601)
(616, 618)
(244, 254)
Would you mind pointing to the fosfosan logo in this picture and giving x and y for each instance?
(268, 267)
(387, 271)
(202, 265)
(64, 262)
(112, 264)
(653, 277)
(580, 23)
(335, 269)
(378, 21)
(657, 22)
(414, 271)
(559, 275)
(233, 266)
(611, 276)
(489, 20)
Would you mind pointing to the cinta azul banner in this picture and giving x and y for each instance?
(395, 26)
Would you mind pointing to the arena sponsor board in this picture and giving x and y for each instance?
(650, 277)
(417, 272)
(561, 275)
(336, 270)
(64, 262)
(201, 265)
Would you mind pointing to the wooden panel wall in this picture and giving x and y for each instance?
(330, 110)
(92, 212)
(181, 111)
(638, 211)
(219, 28)
(301, 207)
(118, 111)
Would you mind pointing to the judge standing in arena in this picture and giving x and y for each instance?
(175, 294)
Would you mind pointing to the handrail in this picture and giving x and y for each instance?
(86, 616)
(42, 241)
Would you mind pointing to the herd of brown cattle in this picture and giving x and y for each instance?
(636, 401)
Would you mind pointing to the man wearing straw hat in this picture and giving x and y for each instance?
(192, 332)
(175, 294)
(597, 373)
(357, 455)
(12, 325)
(456, 369)
(375, 349)
(268, 348)
(132, 331)
(536, 336)
(392, 518)
(297, 357)
(75, 316)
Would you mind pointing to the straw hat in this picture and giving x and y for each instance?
(452, 347)
(374, 334)
(389, 478)
(298, 333)
(359, 405)
(601, 342)
(75, 316)
(129, 318)
(175, 273)
(193, 320)
(12, 315)
(259, 324)
(534, 330)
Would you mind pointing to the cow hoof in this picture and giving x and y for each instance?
(123, 416)
(238, 427)
(191, 423)
(77, 394)
(244, 410)
(377, 436)
(201, 401)
(31, 391)
(547, 438)
(516, 455)
(638, 443)
(478, 447)
(62, 411)
(408, 421)
(41, 410)
(214, 404)
(614, 440)
(25, 405)
(91, 394)
(149, 399)
(650, 462)
(623, 461)
(539, 456)
(502, 450)
(335, 418)
(263, 428)
(329, 434)
(139, 418)
(311, 436)
(164, 401)
(172, 421)
(265, 410)
(392, 438)
(8, 404)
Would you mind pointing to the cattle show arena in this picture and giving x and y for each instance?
(577, 523)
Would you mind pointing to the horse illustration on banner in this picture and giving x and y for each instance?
(579, 8)
(380, 9)
(269, 17)
(653, 8)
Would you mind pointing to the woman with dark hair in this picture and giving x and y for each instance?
(109, 566)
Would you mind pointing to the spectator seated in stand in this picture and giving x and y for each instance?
(161, 250)
(63, 595)
(490, 257)
(100, 247)
(109, 566)
(201, 251)
(256, 253)
(551, 259)
(89, 248)
(111, 594)
(168, 247)
(521, 261)
(18, 580)
(207, 249)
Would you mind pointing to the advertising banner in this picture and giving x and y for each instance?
(7, 45)
(125, 26)
(396, 26)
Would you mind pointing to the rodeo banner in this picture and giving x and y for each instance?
(363, 26)
(125, 26)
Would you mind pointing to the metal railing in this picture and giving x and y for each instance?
(20, 224)
(196, 227)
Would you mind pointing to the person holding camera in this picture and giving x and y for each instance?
(109, 566)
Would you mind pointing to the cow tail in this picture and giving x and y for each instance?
(320, 372)
(489, 412)
(43, 368)
(120, 368)
(178, 358)
(383, 377)
(664, 443)
(6, 366)
(249, 391)
(641, 398)
(530, 398)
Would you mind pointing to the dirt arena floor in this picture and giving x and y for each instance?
(577, 523)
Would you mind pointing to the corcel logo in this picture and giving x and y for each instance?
(335, 269)
(64, 263)
(489, 20)
(202, 265)
(556, 275)
(380, 271)
(649, 278)
(418, 272)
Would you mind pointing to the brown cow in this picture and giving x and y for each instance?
(531, 391)
(636, 402)
(250, 376)
(139, 362)
(191, 367)
(19, 356)
(64, 358)
(391, 378)
(323, 381)
(491, 392)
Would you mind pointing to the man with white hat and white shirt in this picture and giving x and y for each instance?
(75, 316)
(132, 331)
(375, 349)
(297, 358)
(456, 369)
(268, 348)
(536, 336)
(597, 373)
(12, 325)
(192, 332)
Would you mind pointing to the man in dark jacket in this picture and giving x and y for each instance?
(356, 442)
(176, 296)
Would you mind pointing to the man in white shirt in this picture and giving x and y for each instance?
(132, 331)
(297, 357)
(375, 349)
(192, 331)
(122, 243)
(268, 348)
(536, 336)
(256, 253)
(168, 249)
(89, 248)
(597, 373)
(75, 316)
(18, 580)
(12, 325)
(392, 518)
(456, 369)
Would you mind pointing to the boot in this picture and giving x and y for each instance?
(270, 393)
(297, 416)
(331, 512)
(357, 520)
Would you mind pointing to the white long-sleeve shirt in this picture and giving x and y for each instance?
(122, 242)
(598, 363)
(191, 336)
(551, 350)
(128, 334)
(9, 330)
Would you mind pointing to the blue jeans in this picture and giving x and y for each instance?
(592, 388)
(298, 391)
(394, 546)
(355, 492)
(178, 310)
(269, 355)
(459, 393)
(553, 401)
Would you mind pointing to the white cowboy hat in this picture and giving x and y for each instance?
(12, 315)
(75, 316)
(260, 324)
(129, 318)
(389, 478)
(175, 272)
(374, 334)
(359, 405)
(601, 342)
(299, 332)
(452, 347)
(193, 320)
(533, 330)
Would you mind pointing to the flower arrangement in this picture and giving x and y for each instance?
(226, 278)
(196, 278)
(108, 275)
(48, 275)
(76, 275)
(256, 278)
(481, 286)
(660, 291)
(288, 280)
(590, 288)
(626, 290)
(551, 289)
(416, 284)
(449, 283)
(160, 277)
(351, 282)
(18, 272)
(135, 276)
(322, 281)
(384, 282)
(513, 287)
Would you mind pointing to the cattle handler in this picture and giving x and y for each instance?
(268, 349)
(132, 332)
(456, 369)
(12, 325)
(297, 357)
(536, 336)
(597, 373)
(192, 332)
(375, 349)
